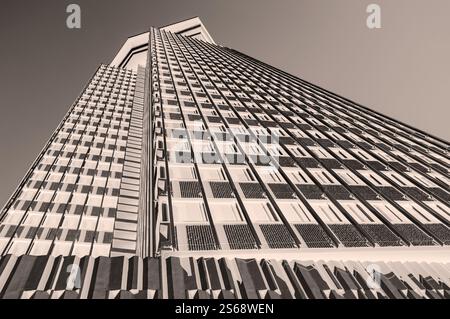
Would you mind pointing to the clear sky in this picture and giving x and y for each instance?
(402, 69)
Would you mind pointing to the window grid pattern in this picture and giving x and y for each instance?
(68, 204)
(326, 151)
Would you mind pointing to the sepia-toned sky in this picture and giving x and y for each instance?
(402, 69)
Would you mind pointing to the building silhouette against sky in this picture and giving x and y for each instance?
(189, 170)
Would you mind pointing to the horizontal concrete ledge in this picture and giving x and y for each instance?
(384, 254)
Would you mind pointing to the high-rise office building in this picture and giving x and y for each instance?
(189, 170)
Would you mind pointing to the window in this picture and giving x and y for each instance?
(52, 221)
(270, 175)
(85, 180)
(226, 212)
(32, 219)
(54, 177)
(110, 202)
(81, 249)
(27, 194)
(374, 178)
(384, 156)
(275, 150)
(440, 177)
(320, 152)
(389, 212)
(252, 148)
(189, 212)
(71, 222)
(62, 197)
(261, 212)
(422, 157)
(70, 178)
(333, 133)
(40, 247)
(398, 179)
(324, 177)
(298, 133)
(317, 134)
(99, 181)
(296, 213)
(202, 147)
(364, 155)
(78, 199)
(242, 174)
(95, 200)
(341, 153)
(299, 151)
(113, 183)
(440, 209)
(88, 223)
(329, 213)
(45, 196)
(299, 177)
(421, 179)
(228, 148)
(105, 224)
(182, 172)
(13, 218)
(419, 212)
(360, 212)
(349, 177)
(19, 247)
(100, 250)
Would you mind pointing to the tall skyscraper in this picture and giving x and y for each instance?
(189, 170)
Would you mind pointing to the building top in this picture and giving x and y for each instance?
(134, 51)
